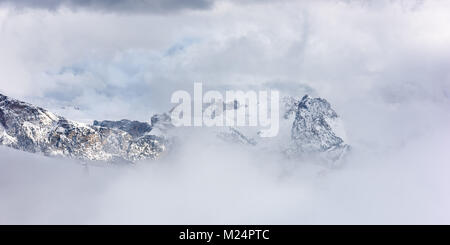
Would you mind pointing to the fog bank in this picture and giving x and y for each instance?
(208, 182)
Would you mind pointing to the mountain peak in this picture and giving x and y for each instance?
(33, 129)
(313, 129)
(30, 128)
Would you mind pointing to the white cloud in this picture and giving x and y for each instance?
(231, 184)
(383, 65)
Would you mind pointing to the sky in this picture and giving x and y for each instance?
(383, 66)
(94, 55)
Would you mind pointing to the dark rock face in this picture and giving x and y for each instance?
(310, 121)
(311, 125)
(134, 128)
(3, 119)
(148, 146)
(33, 129)
(162, 122)
(312, 131)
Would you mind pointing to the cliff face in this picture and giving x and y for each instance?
(309, 131)
(312, 130)
(33, 129)
(308, 128)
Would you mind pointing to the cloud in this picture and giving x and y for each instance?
(343, 51)
(120, 6)
(381, 64)
(204, 181)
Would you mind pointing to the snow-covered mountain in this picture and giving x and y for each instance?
(308, 128)
(33, 129)
(314, 130)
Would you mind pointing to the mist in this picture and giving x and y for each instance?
(233, 184)
(382, 65)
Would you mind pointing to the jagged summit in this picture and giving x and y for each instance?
(309, 128)
(134, 128)
(30, 128)
(312, 130)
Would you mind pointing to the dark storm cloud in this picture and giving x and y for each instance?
(127, 6)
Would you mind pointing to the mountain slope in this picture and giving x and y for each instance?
(33, 129)
(312, 130)
(307, 129)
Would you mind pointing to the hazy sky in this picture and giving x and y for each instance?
(95, 54)
(383, 66)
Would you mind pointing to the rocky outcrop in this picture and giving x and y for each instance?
(312, 130)
(33, 129)
(134, 128)
(311, 126)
